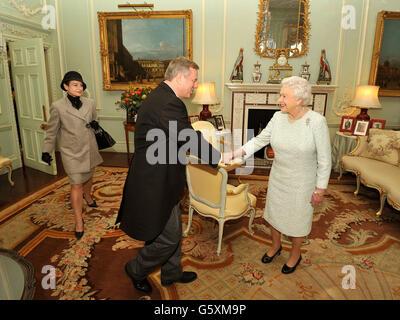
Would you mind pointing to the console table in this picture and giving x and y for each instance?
(128, 127)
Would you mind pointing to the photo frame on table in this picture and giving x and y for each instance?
(219, 121)
(347, 124)
(377, 124)
(212, 121)
(385, 64)
(361, 128)
(193, 119)
(134, 53)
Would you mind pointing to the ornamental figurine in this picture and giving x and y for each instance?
(305, 71)
(237, 72)
(325, 76)
(257, 73)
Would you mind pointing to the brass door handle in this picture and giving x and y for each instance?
(44, 126)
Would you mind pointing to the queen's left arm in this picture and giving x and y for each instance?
(323, 149)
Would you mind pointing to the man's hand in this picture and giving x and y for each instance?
(46, 157)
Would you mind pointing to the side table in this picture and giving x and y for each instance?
(342, 144)
(128, 127)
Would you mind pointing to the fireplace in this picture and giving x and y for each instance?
(254, 104)
(257, 120)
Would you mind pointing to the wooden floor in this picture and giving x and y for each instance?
(29, 180)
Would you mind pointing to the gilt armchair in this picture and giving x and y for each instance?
(211, 196)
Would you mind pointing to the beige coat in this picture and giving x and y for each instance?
(76, 139)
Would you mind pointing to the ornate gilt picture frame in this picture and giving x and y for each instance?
(136, 47)
(385, 65)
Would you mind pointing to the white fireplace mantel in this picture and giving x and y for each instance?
(246, 96)
(254, 87)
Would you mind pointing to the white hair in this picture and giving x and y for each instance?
(301, 88)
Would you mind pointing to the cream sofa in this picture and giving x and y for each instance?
(376, 162)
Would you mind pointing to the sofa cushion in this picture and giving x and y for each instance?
(383, 145)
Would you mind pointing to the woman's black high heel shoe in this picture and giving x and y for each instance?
(267, 259)
(79, 234)
(93, 204)
(287, 270)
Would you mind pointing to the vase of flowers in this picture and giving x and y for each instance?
(131, 101)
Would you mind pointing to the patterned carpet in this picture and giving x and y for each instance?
(345, 232)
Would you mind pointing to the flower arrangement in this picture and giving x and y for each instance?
(131, 99)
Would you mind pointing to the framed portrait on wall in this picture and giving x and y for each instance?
(347, 124)
(361, 128)
(377, 124)
(385, 65)
(219, 121)
(136, 47)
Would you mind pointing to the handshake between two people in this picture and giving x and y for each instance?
(233, 157)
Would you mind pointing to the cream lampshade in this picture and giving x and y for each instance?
(366, 98)
(205, 95)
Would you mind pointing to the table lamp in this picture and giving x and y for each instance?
(366, 98)
(205, 95)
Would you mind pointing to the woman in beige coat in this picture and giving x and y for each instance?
(71, 121)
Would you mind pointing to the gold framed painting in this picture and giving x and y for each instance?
(385, 65)
(136, 47)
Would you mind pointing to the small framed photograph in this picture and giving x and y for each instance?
(377, 124)
(347, 124)
(212, 120)
(219, 120)
(193, 119)
(361, 128)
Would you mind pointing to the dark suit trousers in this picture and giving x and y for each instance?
(165, 250)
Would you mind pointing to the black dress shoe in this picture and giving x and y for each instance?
(267, 259)
(93, 204)
(187, 276)
(140, 285)
(287, 270)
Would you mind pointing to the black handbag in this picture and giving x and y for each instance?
(103, 138)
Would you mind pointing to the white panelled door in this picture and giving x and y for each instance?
(29, 78)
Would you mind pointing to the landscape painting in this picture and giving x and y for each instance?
(137, 47)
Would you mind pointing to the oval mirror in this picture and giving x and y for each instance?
(282, 28)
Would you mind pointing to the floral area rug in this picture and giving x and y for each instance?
(349, 254)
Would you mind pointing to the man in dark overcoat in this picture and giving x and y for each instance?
(149, 209)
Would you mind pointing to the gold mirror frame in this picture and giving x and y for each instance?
(107, 57)
(288, 52)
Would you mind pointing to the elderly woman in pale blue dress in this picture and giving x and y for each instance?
(300, 171)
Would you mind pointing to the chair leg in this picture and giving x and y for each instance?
(185, 234)
(220, 233)
(382, 203)
(9, 175)
(252, 214)
(340, 172)
(358, 181)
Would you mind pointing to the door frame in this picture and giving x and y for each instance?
(53, 93)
